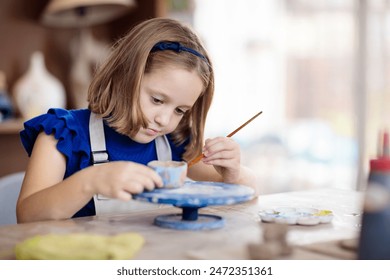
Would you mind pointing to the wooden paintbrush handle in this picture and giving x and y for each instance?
(198, 158)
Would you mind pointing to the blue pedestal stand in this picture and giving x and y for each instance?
(190, 198)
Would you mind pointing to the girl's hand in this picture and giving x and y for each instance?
(121, 179)
(224, 154)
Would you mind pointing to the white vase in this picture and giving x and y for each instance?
(87, 53)
(38, 90)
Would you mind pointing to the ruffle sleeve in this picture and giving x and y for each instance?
(68, 127)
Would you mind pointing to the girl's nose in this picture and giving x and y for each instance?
(162, 118)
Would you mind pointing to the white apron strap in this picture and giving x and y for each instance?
(97, 139)
(163, 149)
(99, 156)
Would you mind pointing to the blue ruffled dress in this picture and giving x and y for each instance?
(71, 129)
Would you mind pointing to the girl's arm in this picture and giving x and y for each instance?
(46, 196)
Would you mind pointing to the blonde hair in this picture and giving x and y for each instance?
(115, 89)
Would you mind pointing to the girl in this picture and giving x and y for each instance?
(157, 84)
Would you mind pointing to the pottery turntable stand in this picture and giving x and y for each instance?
(192, 196)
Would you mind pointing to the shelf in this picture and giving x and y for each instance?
(11, 126)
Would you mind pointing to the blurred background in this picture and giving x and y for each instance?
(317, 69)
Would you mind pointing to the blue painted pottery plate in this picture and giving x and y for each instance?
(198, 194)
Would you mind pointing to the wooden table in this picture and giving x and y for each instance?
(242, 227)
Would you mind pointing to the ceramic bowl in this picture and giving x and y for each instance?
(173, 173)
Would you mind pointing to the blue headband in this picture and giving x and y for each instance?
(177, 47)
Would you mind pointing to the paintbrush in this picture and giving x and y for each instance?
(198, 158)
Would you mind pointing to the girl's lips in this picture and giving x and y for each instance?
(152, 132)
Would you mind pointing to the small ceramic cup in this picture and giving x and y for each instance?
(173, 173)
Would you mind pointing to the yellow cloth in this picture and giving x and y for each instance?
(80, 246)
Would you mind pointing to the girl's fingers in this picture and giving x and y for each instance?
(148, 183)
(146, 176)
(124, 196)
(223, 163)
(224, 155)
(128, 178)
(218, 144)
(140, 183)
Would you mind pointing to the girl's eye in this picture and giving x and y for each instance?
(180, 111)
(156, 100)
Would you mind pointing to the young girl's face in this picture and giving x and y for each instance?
(166, 95)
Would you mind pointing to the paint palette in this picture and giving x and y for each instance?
(192, 196)
(296, 216)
